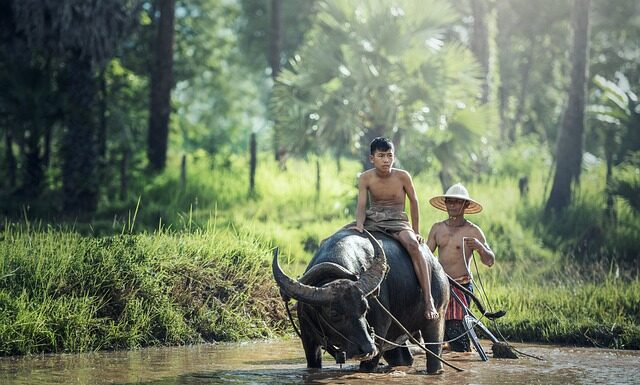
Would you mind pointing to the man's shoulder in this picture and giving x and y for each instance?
(438, 226)
(473, 226)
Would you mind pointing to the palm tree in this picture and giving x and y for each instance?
(616, 112)
(375, 68)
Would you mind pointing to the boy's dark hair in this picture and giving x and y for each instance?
(381, 144)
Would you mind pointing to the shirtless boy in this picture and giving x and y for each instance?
(451, 237)
(387, 189)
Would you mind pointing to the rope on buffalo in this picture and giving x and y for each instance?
(415, 341)
(286, 305)
(424, 343)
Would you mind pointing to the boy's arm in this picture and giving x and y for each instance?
(413, 204)
(431, 239)
(362, 203)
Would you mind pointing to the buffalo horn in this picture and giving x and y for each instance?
(299, 291)
(373, 276)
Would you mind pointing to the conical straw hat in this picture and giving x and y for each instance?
(457, 191)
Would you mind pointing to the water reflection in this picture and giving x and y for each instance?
(282, 362)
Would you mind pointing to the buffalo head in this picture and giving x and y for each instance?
(334, 300)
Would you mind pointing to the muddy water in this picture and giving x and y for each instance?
(282, 362)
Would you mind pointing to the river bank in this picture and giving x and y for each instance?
(66, 293)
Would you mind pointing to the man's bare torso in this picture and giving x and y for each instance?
(449, 240)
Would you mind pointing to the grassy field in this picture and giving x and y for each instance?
(179, 265)
(62, 292)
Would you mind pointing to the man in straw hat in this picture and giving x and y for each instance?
(456, 239)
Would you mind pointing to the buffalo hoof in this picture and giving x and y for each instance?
(370, 365)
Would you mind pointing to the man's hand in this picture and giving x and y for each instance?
(358, 228)
(473, 244)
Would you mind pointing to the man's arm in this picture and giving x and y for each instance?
(479, 243)
(362, 202)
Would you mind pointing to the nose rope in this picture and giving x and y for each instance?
(320, 332)
(321, 318)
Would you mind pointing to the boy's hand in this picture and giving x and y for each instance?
(357, 228)
(419, 238)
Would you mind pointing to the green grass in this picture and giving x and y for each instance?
(175, 265)
(567, 305)
(62, 292)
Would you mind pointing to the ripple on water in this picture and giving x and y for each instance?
(282, 362)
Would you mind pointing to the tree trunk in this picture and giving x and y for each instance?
(571, 135)
(102, 132)
(183, 173)
(252, 164)
(161, 84)
(10, 159)
(124, 174)
(505, 60)
(48, 132)
(275, 38)
(525, 75)
(32, 172)
(79, 182)
(317, 177)
(480, 43)
(609, 149)
(444, 175)
(273, 56)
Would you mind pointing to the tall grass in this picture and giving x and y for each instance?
(61, 292)
(573, 311)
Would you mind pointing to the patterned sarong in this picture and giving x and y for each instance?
(455, 310)
(385, 220)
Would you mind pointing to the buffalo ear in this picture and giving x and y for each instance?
(325, 271)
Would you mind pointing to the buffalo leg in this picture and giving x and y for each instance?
(312, 349)
(313, 353)
(399, 357)
(432, 334)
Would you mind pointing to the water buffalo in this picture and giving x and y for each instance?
(336, 310)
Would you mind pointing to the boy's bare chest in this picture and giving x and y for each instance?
(387, 190)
